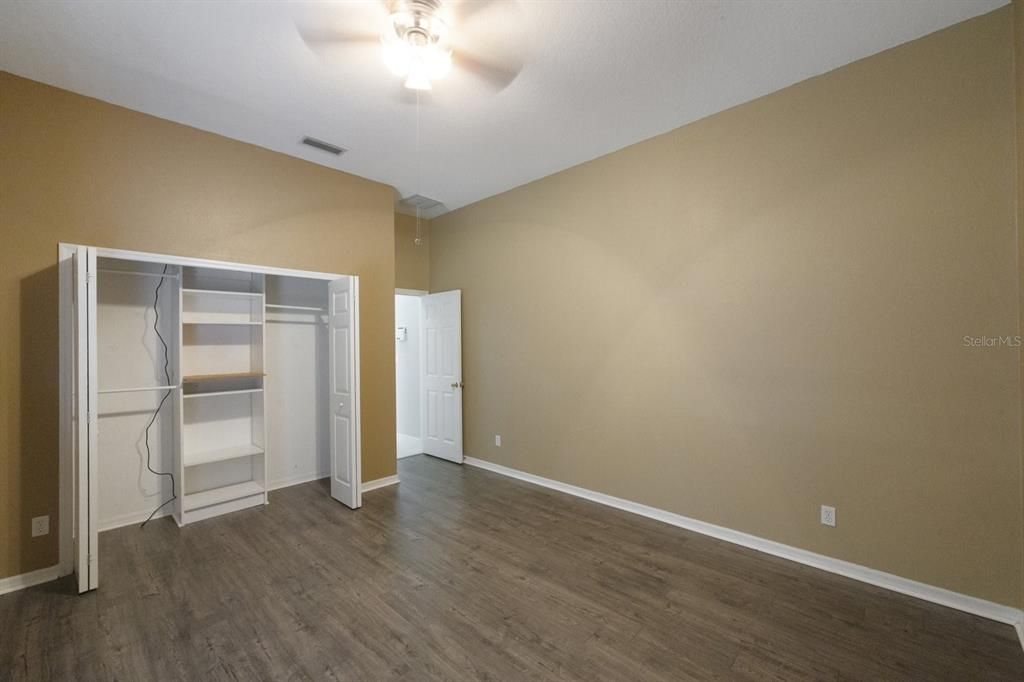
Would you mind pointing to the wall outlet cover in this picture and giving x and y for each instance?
(828, 516)
(40, 526)
(497, 440)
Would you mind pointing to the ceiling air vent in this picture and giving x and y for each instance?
(323, 146)
(421, 202)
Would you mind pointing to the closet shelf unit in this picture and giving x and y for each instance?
(223, 456)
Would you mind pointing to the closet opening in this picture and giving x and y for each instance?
(192, 388)
(407, 372)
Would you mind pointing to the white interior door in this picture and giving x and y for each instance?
(441, 374)
(84, 437)
(343, 405)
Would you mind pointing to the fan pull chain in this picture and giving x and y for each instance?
(419, 230)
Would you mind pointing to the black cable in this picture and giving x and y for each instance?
(156, 413)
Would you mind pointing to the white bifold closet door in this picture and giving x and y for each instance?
(345, 465)
(441, 374)
(84, 416)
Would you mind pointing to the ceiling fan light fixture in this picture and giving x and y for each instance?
(397, 57)
(436, 60)
(417, 80)
(415, 43)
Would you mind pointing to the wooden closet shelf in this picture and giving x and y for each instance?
(195, 378)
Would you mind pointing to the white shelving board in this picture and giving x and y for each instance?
(214, 394)
(226, 493)
(206, 306)
(200, 318)
(217, 292)
(222, 454)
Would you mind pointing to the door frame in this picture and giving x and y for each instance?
(417, 293)
(66, 285)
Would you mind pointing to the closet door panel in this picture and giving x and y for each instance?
(345, 469)
(84, 439)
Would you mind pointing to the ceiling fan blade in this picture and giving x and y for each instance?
(489, 42)
(324, 26)
(467, 9)
(498, 76)
(321, 36)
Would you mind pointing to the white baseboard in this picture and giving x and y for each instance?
(937, 595)
(366, 486)
(20, 582)
(379, 483)
(306, 478)
(131, 519)
(297, 479)
(138, 517)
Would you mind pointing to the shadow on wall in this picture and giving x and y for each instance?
(38, 451)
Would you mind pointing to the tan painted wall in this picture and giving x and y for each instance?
(1018, 42)
(763, 312)
(79, 170)
(412, 262)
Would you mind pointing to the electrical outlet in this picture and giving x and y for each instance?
(497, 440)
(828, 516)
(40, 526)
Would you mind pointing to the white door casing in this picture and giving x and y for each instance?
(441, 374)
(345, 465)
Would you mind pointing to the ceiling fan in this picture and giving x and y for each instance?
(420, 41)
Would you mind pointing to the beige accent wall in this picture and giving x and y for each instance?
(78, 170)
(412, 262)
(764, 311)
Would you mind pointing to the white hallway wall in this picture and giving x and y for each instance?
(407, 375)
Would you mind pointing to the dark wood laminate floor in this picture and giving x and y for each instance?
(462, 574)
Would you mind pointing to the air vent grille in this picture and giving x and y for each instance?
(421, 202)
(323, 146)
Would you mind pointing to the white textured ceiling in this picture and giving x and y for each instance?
(598, 74)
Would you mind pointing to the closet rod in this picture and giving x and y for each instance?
(138, 274)
(138, 389)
